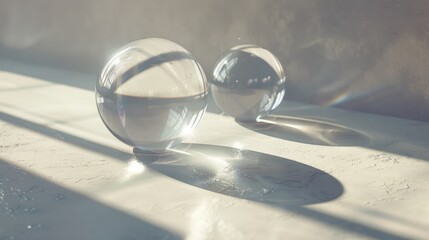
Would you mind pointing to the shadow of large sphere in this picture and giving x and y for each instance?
(247, 174)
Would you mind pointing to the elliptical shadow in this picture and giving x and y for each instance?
(309, 131)
(246, 174)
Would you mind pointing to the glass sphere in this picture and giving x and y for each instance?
(151, 94)
(248, 83)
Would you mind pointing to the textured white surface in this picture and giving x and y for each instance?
(316, 173)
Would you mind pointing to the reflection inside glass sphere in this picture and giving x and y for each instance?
(151, 94)
(248, 83)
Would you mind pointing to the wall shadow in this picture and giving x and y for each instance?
(34, 208)
(53, 75)
(66, 137)
(309, 131)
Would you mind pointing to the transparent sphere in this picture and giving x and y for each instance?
(248, 83)
(151, 94)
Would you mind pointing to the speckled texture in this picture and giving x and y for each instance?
(64, 176)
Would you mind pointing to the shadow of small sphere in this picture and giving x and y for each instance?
(246, 174)
(309, 131)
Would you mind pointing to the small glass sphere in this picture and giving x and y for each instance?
(248, 83)
(151, 94)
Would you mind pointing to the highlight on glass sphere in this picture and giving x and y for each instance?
(248, 83)
(151, 94)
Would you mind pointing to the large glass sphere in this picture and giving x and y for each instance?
(248, 83)
(151, 94)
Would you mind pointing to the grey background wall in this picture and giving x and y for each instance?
(365, 55)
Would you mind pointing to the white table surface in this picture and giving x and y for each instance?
(313, 173)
